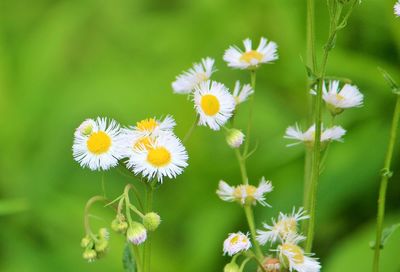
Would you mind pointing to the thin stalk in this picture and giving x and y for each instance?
(311, 55)
(147, 245)
(88, 205)
(191, 129)
(253, 86)
(250, 220)
(386, 174)
(242, 166)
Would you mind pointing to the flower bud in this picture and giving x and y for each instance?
(104, 234)
(235, 138)
(89, 255)
(86, 128)
(136, 233)
(271, 265)
(85, 241)
(119, 224)
(231, 267)
(151, 221)
(101, 246)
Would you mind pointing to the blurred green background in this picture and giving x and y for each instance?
(63, 61)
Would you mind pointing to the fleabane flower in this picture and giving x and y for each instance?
(163, 156)
(245, 193)
(97, 144)
(334, 133)
(397, 9)
(200, 72)
(236, 242)
(338, 99)
(251, 58)
(285, 226)
(242, 93)
(213, 103)
(294, 257)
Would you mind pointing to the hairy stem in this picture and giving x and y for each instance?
(386, 174)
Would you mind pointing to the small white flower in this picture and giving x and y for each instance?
(285, 226)
(213, 103)
(245, 194)
(241, 94)
(334, 133)
(235, 138)
(200, 72)
(340, 98)
(397, 9)
(297, 260)
(97, 144)
(236, 242)
(162, 156)
(251, 59)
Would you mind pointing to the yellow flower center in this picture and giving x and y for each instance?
(249, 190)
(159, 156)
(251, 55)
(234, 240)
(286, 226)
(98, 143)
(147, 124)
(143, 142)
(339, 97)
(298, 256)
(238, 238)
(209, 104)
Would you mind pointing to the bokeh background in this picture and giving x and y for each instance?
(64, 61)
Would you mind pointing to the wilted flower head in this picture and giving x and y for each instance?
(236, 242)
(213, 103)
(285, 226)
(97, 144)
(250, 59)
(338, 98)
(245, 194)
(187, 81)
(242, 93)
(334, 133)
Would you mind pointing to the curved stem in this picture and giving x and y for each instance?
(191, 129)
(386, 174)
(88, 205)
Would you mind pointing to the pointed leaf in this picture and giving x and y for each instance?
(128, 260)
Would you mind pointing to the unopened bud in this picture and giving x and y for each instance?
(89, 255)
(136, 233)
(119, 224)
(104, 234)
(271, 265)
(85, 241)
(151, 221)
(235, 138)
(101, 246)
(231, 267)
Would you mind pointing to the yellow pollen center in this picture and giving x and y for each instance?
(286, 226)
(147, 124)
(298, 256)
(209, 104)
(339, 97)
(143, 142)
(235, 240)
(98, 143)
(248, 189)
(251, 55)
(159, 156)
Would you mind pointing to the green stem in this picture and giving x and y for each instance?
(311, 55)
(253, 86)
(136, 254)
(191, 129)
(242, 166)
(386, 174)
(88, 205)
(250, 220)
(147, 245)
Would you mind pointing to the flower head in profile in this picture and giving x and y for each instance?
(213, 103)
(397, 9)
(97, 144)
(251, 58)
(236, 242)
(200, 72)
(285, 226)
(241, 93)
(245, 193)
(334, 133)
(294, 257)
(338, 98)
(160, 157)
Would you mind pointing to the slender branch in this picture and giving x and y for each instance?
(147, 245)
(386, 174)
(250, 220)
(89, 204)
(249, 123)
(191, 129)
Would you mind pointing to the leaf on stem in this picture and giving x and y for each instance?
(389, 79)
(128, 261)
(387, 232)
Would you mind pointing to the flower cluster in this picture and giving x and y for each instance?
(149, 149)
(95, 245)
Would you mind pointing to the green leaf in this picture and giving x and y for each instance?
(389, 79)
(127, 259)
(387, 232)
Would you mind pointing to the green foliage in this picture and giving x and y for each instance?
(128, 260)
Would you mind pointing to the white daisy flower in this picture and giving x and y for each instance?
(245, 193)
(334, 133)
(236, 242)
(154, 126)
(213, 103)
(162, 156)
(97, 144)
(241, 94)
(251, 59)
(295, 258)
(200, 72)
(397, 9)
(338, 98)
(285, 226)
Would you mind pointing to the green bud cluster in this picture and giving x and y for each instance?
(95, 246)
(119, 224)
(151, 221)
